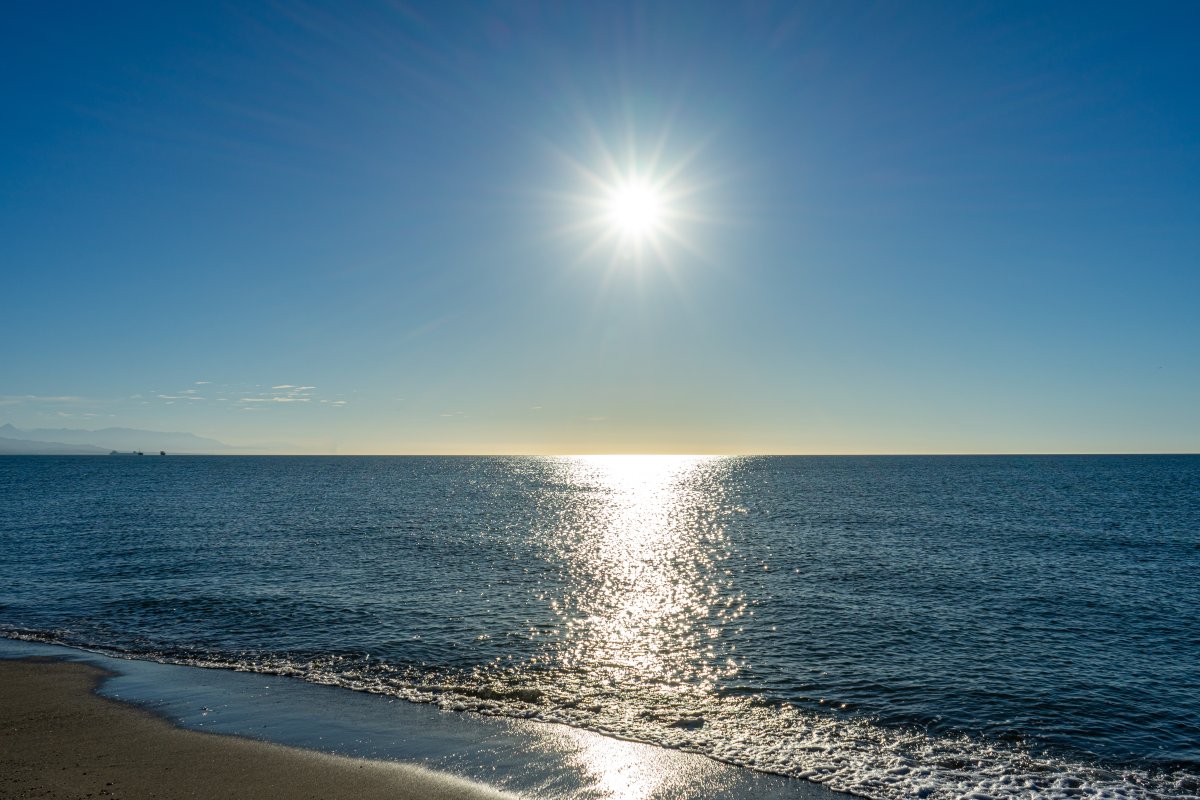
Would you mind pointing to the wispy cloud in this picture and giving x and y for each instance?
(16, 399)
(280, 393)
(235, 396)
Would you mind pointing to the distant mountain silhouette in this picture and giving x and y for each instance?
(28, 447)
(69, 440)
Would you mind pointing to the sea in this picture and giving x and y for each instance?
(892, 627)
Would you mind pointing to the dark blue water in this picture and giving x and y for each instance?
(931, 626)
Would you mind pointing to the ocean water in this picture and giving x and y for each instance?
(890, 626)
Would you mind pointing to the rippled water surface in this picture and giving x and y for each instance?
(891, 626)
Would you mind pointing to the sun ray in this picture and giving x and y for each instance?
(642, 198)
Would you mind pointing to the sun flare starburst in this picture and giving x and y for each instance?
(638, 204)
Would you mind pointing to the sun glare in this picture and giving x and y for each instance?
(636, 204)
(635, 208)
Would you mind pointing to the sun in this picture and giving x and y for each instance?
(635, 208)
(640, 205)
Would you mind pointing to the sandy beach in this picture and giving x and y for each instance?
(60, 740)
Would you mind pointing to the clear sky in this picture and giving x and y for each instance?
(857, 227)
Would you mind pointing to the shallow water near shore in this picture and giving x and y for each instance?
(527, 758)
(934, 627)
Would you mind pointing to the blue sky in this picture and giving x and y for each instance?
(890, 227)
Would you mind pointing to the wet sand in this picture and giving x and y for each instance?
(60, 740)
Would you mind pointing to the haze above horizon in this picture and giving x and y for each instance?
(703, 227)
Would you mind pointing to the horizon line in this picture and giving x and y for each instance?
(628, 455)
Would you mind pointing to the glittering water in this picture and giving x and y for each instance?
(1009, 626)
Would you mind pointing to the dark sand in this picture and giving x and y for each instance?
(60, 740)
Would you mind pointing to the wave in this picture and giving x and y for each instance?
(854, 755)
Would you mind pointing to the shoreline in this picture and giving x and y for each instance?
(388, 746)
(60, 739)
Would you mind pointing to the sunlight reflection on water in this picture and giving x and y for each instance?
(621, 770)
(644, 540)
(887, 626)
